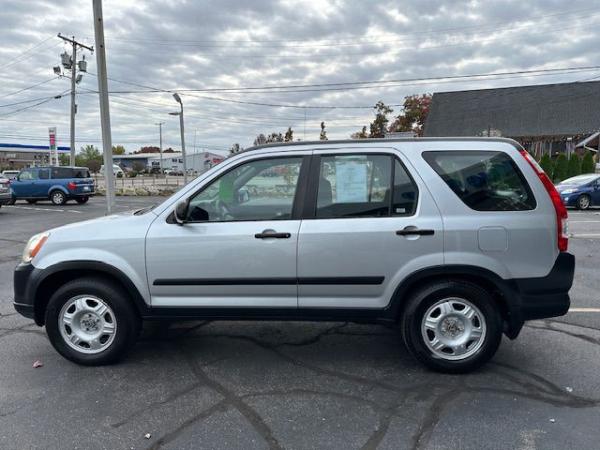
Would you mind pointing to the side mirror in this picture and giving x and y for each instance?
(180, 212)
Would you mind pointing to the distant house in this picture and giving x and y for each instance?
(550, 118)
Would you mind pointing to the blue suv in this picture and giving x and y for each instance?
(59, 184)
(581, 191)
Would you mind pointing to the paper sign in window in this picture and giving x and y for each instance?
(351, 181)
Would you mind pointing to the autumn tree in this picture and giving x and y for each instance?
(89, 157)
(378, 127)
(414, 114)
(148, 149)
(118, 150)
(362, 134)
(323, 135)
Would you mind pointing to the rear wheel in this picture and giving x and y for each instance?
(58, 198)
(584, 202)
(452, 326)
(12, 200)
(82, 200)
(91, 321)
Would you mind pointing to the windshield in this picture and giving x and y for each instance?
(579, 180)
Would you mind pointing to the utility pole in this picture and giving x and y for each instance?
(160, 124)
(104, 109)
(72, 63)
(180, 114)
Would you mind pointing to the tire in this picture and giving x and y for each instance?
(58, 198)
(78, 302)
(584, 202)
(82, 200)
(32, 202)
(12, 201)
(448, 341)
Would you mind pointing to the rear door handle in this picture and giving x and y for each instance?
(272, 235)
(415, 232)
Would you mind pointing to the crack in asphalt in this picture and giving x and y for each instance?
(551, 327)
(421, 438)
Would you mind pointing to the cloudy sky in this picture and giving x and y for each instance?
(208, 49)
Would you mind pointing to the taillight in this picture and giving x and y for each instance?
(562, 225)
(71, 186)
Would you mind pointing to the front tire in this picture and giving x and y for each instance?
(58, 198)
(91, 321)
(584, 202)
(452, 326)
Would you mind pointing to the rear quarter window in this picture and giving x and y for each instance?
(483, 180)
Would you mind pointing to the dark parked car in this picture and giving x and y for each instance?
(581, 191)
(5, 195)
(59, 184)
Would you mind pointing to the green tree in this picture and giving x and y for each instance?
(289, 135)
(547, 164)
(378, 127)
(323, 135)
(574, 166)
(414, 114)
(118, 150)
(561, 168)
(587, 165)
(63, 159)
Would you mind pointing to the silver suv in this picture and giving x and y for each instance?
(456, 241)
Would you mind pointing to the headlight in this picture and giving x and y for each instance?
(568, 191)
(34, 245)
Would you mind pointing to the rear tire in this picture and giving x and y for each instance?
(58, 198)
(92, 321)
(584, 202)
(82, 200)
(452, 326)
(12, 201)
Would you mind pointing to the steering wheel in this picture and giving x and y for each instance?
(223, 209)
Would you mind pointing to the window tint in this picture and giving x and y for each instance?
(28, 174)
(44, 174)
(258, 190)
(62, 172)
(361, 186)
(483, 180)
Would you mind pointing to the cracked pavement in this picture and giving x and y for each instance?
(292, 385)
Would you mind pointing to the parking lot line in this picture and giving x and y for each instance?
(584, 310)
(589, 235)
(31, 208)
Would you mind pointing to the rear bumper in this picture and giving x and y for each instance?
(548, 296)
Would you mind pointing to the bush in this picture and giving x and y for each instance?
(547, 164)
(574, 166)
(588, 165)
(132, 174)
(561, 168)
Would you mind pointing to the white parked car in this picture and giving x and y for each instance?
(10, 174)
(117, 171)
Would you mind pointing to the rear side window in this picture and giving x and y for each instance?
(367, 185)
(69, 172)
(483, 180)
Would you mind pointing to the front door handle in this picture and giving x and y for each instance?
(415, 232)
(267, 234)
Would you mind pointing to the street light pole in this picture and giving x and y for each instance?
(180, 114)
(160, 124)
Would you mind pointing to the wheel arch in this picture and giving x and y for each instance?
(58, 187)
(502, 291)
(58, 274)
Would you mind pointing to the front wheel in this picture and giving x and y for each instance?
(58, 198)
(91, 321)
(452, 326)
(583, 202)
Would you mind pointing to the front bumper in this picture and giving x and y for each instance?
(5, 197)
(23, 297)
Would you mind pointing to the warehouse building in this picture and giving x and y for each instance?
(17, 156)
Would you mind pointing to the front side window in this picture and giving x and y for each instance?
(483, 180)
(258, 190)
(364, 186)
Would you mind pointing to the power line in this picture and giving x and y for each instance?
(29, 87)
(34, 105)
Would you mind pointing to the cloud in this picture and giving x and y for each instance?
(235, 43)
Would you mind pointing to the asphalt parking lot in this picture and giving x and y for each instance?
(297, 385)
